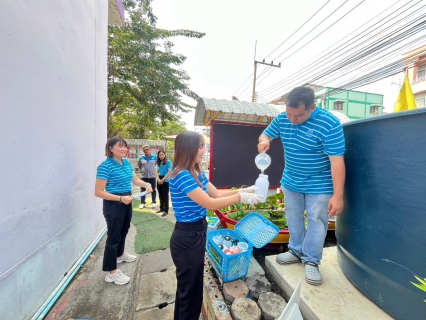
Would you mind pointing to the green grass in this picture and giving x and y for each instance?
(153, 233)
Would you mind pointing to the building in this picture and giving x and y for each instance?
(415, 61)
(353, 104)
(53, 120)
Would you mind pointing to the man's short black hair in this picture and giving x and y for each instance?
(301, 95)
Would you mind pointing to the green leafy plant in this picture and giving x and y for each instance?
(421, 285)
(272, 209)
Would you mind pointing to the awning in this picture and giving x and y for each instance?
(234, 111)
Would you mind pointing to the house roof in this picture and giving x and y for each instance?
(234, 111)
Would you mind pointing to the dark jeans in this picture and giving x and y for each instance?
(163, 194)
(153, 182)
(118, 216)
(187, 246)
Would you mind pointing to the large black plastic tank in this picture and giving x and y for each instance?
(381, 235)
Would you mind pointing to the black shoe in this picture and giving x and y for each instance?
(164, 214)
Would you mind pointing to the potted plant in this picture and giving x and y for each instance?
(273, 209)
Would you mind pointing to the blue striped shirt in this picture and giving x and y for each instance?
(307, 148)
(118, 176)
(163, 169)
(186, 210)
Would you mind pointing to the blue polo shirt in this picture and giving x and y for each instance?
(307, 148)
(186, 210)
(163, 169)
(118, 176)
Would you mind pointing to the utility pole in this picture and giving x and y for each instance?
(254, 73)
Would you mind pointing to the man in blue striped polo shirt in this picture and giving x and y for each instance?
(313, 177)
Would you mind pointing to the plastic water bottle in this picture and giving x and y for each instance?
(262, 185)
(227, 241)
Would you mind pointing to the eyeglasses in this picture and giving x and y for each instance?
(202, 146)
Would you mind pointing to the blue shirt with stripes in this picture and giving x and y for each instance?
(163, 169)
(186, 210)
(118, 176)
(307, 148)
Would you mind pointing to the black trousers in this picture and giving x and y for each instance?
(187, 246)
(153, 182)
(118, 216)
(163, 194)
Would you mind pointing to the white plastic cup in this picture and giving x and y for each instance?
(243, 246)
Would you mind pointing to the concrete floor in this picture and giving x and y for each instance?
(337, 298)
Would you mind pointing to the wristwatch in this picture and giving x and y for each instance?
(147, 184)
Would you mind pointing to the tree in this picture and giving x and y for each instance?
(171, 128)
(145, 84)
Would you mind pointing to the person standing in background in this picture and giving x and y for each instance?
(164, 170)
(113, 185)
(148, 171)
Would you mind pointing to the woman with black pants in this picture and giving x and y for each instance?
(113, 184)
(192, 194)
(164, 170)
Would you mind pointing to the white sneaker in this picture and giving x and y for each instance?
(154, 205)
(118, 278)
(141, 206)
(126, 258)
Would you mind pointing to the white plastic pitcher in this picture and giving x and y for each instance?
(262, 161)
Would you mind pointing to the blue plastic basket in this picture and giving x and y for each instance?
(254, 229)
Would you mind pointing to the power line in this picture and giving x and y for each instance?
(321, 56)
(370, 61)
(243, 83)
(248, 87)
(321, 32)
(378, 74)
(279, 46)
(317, 26)
(328, 70)
(362, 53)
(297, 30)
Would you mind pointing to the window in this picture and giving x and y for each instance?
(374, 110)
(421, 70)
(420, 100)
(338, 105)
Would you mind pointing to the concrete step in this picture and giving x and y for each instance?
(337, 298)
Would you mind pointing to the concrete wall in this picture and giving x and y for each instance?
(53, 131)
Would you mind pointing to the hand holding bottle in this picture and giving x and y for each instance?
(251, 189)
(250, 198)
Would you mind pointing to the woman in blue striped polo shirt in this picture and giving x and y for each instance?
(191, 194)
(113, 184)
(164, 170)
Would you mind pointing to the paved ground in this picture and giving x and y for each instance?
(149, 295)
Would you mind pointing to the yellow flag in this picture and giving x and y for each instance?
(405, 99)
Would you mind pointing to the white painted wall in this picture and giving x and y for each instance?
(53, 91)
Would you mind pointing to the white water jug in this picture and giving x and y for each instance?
(262, 185)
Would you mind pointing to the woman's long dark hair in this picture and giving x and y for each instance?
(160, 162)
(187, 144)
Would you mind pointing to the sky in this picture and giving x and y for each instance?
(219, 63)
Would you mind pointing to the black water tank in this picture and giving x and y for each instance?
(382, 232)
